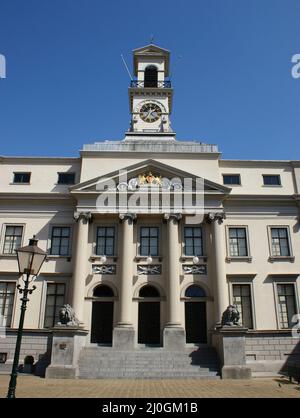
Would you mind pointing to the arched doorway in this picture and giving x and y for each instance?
(195, 315)
(149, 316)
(102, 315)
(151, 76)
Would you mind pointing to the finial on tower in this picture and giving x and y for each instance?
(151, 38)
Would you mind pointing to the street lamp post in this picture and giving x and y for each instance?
(30, 260)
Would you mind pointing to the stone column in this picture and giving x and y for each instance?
(123, 334)
(80, 264)
(174, 334)
(221, 297)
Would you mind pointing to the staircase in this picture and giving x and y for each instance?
(148, 363)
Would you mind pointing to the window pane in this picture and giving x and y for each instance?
(66, 178)
(101, 232)
(109, 250)
(233, 179)
(282, 233)
(22, 177)
(65, 232)
(188, 232)
(144, 232)
(110, 232)
(271, 180)
(154, 232)
(232, 232)
(241, 232)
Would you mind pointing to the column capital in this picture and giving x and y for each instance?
(131, 216)
(175, 216)
(86, 216)
(215, 217)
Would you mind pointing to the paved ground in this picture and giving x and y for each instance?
(29, 387)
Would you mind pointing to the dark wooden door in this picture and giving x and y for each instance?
(195, 322)
(149, 323)
(102, 322)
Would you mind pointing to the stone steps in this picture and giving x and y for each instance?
(104, 362)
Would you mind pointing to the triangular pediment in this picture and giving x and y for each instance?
(148, 173)
(151, 51)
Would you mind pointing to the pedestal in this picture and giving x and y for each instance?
(230, 342)
(123, 338)
(66, 346)
(174, 339)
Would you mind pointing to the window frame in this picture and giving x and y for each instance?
(203, 231)
(271, 185)
(290, 280)
(66, 172)
(229, 257)
(240, 280)
(14, 301)
(52, 282)
(49, 245)
(280, 257)
(230, 184)
(115, 246)
(139, 239)
(3, 235)
(23, 182)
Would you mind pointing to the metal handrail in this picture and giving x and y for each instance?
(158, 84)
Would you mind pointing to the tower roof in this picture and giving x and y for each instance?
(151, 50)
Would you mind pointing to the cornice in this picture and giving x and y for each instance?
(35, 196)
(262, 197)
(258, 163)
(32, 160)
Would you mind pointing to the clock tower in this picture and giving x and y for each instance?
(150, 95)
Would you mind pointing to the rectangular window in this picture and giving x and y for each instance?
(12, 238)
(271, 180)
(7, 295)
(60, 240)
(232, 179)
(105, 244)
(286, 304)
(242, 299)
(238, 242)
(280, 242)
(66, 178)
(149, 237)
(22, 177)
(193, 242)
(54, 301)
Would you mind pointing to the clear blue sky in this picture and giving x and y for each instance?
(66, 84)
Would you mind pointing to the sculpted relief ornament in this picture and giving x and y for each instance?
(147, 180)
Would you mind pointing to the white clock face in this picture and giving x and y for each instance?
(150, 112)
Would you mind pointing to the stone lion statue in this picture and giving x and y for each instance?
(231, 316)
(67, 316)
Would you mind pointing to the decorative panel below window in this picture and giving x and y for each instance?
(104, 268)
(194, 269)
(152, 269)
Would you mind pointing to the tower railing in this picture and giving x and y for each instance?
(155, 84)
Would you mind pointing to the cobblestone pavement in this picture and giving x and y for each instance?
(29, 387)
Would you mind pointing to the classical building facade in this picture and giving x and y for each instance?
(149, 240)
